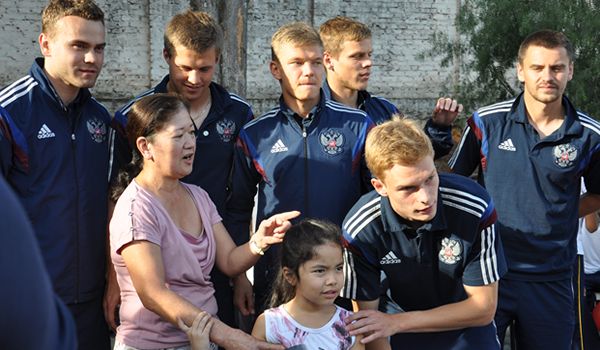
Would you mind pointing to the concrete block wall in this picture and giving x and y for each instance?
(134, 63)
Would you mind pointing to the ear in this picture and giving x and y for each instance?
(379, 186)
(290, 276)
(520, 73)
(143, 145)
(275, 69)
(166, 55)
(571, 67)
(328, 61)
(44, 42)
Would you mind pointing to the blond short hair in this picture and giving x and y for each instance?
(194, 30)
(57, 9)
(298, 34)
(397, 141)
(336, 31)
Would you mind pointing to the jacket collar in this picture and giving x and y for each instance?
(392, 222)
(37, 72)
(219, 98)
(363, 95)
(570, 126)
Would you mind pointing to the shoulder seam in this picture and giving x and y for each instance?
(588, 122)
(270, 114)
(238, 98)
(342, 108)
(127, 107)
(464, 201)
(504, 106)
(17, 89)
(366, 214)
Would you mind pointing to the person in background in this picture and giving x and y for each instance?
(305, 154)
(348, 59)
(586, 280)
(30, 290)
(54, 153)
(531, 153)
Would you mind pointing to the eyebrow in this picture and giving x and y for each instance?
(83, 42)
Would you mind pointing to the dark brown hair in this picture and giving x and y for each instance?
(146, 117)
(297, 248)
(548, 39)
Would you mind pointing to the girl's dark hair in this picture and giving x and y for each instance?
(297, 248)
(146, 117)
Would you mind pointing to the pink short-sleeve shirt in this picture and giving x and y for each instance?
(187, 261)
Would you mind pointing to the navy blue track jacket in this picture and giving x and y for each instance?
(535, 182)
(55, 158)
(317, 168)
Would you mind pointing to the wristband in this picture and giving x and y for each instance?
(255, 249)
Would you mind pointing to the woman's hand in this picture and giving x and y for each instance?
(199, 331)
(272, 230)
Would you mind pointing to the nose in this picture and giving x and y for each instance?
(368, 62)
(92, 57)
(425, 195)
(194, 77)
(190, 141)
(547, 74)
(308, 69)
(331, 279)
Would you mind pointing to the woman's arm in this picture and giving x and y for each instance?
(233, 260)
(145, 265)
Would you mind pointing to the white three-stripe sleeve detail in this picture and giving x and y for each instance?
(463, 208)
(16, 96)
(360, 214)
(349, 289)
(364, 223)
(452, 160)
(487, 259)
(111, 155)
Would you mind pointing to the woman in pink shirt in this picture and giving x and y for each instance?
(166, 236)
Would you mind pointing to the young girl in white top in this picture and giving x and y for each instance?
(303, 315)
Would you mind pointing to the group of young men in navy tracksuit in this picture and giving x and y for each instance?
(331, 151)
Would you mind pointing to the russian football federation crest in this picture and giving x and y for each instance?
(332, 141)
(97, 129)
(226, 130)
(451, 251)
(564, 155)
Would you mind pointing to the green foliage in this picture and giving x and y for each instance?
(490, 32)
